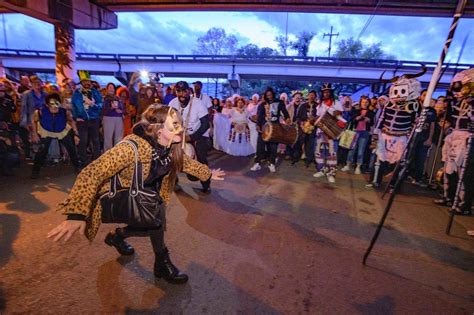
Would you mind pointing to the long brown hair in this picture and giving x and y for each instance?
(153, 119)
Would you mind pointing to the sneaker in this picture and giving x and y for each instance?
(272, 168)
(420, 184)
(256, 167)
(443, 202)
(371, 186)
(357, 170)
(331, 179)
(346, 168)
(318, 174)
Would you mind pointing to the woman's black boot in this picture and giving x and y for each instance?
(165, 269)
(116, 240)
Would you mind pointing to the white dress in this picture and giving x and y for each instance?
(221, 131)
(238, 136)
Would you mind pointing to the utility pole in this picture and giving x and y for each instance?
(330, 35)
(4, 32)
(286, 34)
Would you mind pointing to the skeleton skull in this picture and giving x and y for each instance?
(404, 90)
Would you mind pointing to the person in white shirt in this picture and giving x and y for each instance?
(196, 123)
(253, 105)
(204, 98)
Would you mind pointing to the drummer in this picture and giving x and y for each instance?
(305, 118)
(270, 110)
(326, 148)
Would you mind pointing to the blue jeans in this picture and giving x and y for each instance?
(362, 140)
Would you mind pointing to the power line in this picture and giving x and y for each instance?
(371, 17)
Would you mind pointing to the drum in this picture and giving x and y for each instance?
(328, 124)
(275, 132)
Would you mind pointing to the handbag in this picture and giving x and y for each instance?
(135, 206)
(348, 139)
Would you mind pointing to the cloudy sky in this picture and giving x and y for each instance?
(407, 38)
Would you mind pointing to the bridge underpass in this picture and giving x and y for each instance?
(236, 68)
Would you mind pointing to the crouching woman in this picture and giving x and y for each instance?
(157, 138)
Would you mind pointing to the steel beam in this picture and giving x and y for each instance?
(81, 14)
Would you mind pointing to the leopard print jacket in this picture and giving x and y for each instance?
(93, 181)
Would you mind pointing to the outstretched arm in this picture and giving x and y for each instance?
(79, 203)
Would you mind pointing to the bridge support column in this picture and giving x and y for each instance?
(65, 52)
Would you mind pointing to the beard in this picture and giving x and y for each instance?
(184, 100)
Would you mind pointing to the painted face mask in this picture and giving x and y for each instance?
(54, 105)
(462, 85)
(173, 124)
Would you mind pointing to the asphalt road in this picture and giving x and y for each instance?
(260, 243)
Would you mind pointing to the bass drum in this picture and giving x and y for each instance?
(280, 133)
(191, 152)
(328, 124)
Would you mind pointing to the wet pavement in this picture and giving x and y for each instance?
(260, 243)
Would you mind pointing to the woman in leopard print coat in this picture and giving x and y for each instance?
(158, 136)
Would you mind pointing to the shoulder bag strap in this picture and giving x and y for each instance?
(137, 178)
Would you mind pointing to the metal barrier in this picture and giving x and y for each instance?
(375, 63)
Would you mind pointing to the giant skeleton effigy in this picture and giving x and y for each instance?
(392, 131)
(455, 149)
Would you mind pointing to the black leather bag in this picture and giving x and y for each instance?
(135, 206)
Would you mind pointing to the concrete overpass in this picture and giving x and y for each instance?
(362, 71)
(444, 8)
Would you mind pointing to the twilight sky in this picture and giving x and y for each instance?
(407, 38)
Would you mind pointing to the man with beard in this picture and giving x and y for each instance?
(306, 119)
(86, 110)
(269, 110)
(196, 123)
